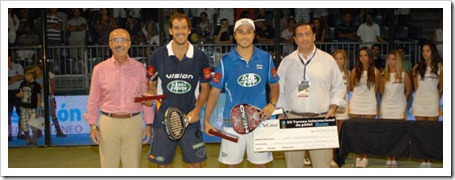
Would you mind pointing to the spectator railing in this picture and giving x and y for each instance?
(74, 64)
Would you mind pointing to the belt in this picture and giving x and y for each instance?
(308, 114)
(120, 116)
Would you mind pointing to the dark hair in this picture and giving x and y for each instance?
(435, 60)
(359, 69)
(180, 16)
(31, 70)
(376, 45)
(203, 13)
(313, 29)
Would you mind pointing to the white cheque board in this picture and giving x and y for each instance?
(296, 134)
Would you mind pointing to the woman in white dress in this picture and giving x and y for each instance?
(365, 79)
(427, 76)
(342, 114)
(395, 88)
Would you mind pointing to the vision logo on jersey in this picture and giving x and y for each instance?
(249, 80)
(179, 87)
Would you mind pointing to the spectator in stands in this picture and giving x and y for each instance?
(120, 133)
(151, 35)
(302, 15)
(437, 38)
(407, 65)
(52, 103)
(395, 88)
(28, 38)
(119, 15)
(341, 58)
(54, 33)
(223, 35)
(104, 26)
(13, 26)
(377, 57)
(428, 84)
(264, 33)
(369, 32)
(30, 96)
(77, 27)
(287, 36)
(346, 30)
(134, 28)
(227, 13)
(15, 77)
(322, 14)
(365, 81)
(25, 18)
(204, 28)
(244, 13)
(320, 30)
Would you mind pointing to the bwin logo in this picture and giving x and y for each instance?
(179, 76)
(249, 80)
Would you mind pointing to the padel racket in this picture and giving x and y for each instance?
(224, 136)
(175, 123)
(142, 88)
(245, 118)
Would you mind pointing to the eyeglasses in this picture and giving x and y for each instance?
(119, 40)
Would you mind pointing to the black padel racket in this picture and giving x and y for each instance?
(175, 123)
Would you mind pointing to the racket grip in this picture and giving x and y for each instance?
(146, 98)
(224, 136)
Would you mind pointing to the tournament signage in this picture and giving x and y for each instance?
(296, 134)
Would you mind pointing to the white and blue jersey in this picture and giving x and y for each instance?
(179, 80)
(244, 82)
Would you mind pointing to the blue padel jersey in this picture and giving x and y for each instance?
(179, 80)
(244, 83)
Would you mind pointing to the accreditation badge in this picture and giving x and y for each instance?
(304, 89)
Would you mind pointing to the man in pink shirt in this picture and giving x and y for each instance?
(120, 128)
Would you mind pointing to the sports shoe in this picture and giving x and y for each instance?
(358, 162)
(423, 165)
(394, 164)
(388, 164)
(333, 164)
(306, 161)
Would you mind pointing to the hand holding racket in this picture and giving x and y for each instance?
(142, 90)
(245, 118)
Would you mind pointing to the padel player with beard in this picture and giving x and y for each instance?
(244, 73)
(183, 76)
(120, 130)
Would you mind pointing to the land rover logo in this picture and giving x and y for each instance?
(179, 87)
(249, 80)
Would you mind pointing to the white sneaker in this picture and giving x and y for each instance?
(388, 164)
(306, 161)
(423, 165)
(394, 164)
(333, 164)
(429, 165)
(364, 163)
(358, 162)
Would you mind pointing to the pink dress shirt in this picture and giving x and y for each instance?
(113, 89)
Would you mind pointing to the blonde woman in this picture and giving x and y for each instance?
(395, 90)
(341, 58)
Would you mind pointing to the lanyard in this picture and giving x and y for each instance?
(306, 64)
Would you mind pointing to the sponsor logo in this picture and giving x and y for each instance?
(179, 87)
(160, 158)
(217, 78)
(152, 156)
(274, 74)
(223, 154)
(249, 80)
(269, 124)
(259, 66)
(198, 145)
(207, 73)
(201, 153)
(179, 76)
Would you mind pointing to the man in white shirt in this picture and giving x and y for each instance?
(369, 32)
(311, 85)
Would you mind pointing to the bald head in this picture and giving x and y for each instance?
(117, 32)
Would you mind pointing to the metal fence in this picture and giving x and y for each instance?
(72, 65)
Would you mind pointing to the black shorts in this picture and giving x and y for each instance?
(162, 150)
